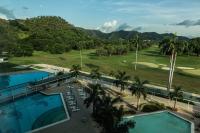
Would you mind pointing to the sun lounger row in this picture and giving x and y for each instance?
(71, 100)
(82, 93)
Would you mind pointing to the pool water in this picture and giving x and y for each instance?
(162, 122)
(15, 79)
(31, 112)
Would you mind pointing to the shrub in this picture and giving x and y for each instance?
(129, 112)
(196, 114)
(60, 73)
(152, 106)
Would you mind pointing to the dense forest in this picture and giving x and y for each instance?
(55, 35)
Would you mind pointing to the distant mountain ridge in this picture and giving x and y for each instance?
(130, 34)
(32, 23)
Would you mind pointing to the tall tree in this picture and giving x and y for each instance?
(176, 94)
(170, 45)
(121, 79)
(95, 74)
(110, 117)
(138, 89)
(136, 52)
(195, 45)
(95, 94)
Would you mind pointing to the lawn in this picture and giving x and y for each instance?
(155, 75)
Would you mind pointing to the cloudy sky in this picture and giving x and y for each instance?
(162, 16)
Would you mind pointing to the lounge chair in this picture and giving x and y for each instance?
(70, 98)
(68, 93)
(82, 94)
(71, 102)
(75, 109)
(83, 97)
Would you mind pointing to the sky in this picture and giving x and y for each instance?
(162, 16)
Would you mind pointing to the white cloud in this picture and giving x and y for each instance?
(113, 25)
(108, 26)
(9, 14)
(3, 17)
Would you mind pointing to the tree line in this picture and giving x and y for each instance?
(183, 47)
(55, 35)
(122, 47)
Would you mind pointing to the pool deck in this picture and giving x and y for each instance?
(75, 124)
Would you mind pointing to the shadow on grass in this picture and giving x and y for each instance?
(152, 53)
(91, 66)
(10, 67)
(92, 55)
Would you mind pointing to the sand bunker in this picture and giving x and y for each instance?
(188, 70)
(185, 68)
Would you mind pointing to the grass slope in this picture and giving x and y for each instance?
(156, 76)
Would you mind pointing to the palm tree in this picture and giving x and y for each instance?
(112, 74)
(176, 94)
(94, 98)
(110, 117)
(60, 73)
(136, 52)
(138, 89)
(170, 46)
(75, 70)
(81, 57)
(95, 74)
(121, 79)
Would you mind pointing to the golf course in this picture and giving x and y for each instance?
(151, 65)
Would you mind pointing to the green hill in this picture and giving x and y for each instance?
(55, 35)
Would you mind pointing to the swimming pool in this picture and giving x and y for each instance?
(160, 122)
(31, 113)
(19, 78)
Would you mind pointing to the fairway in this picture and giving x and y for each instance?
(152, 67)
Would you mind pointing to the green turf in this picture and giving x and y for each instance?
(156, 76)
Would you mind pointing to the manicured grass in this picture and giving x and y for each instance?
(156, 76)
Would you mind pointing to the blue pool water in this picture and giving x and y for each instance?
(21, 115)
(163, 122)
(15, 79)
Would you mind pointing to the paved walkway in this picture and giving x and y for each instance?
(132, 99)
(55, 69)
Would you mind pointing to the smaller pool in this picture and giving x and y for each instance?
(19, 78)
(160, 122)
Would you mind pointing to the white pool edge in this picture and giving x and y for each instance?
(56, 123)
(192, 124)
